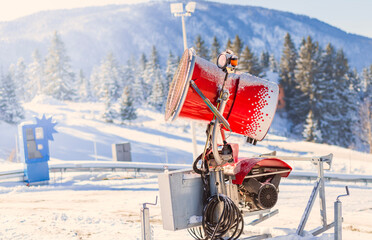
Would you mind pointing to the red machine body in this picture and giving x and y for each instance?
(243, 166)
(251, 105)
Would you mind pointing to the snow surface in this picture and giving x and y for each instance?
(90, 205)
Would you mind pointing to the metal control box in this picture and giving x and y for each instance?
(121, 152)
(181, 199)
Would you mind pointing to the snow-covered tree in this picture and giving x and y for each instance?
(201, 48)
(138, 86)
(128, 73)
(229, 45)
(108, 79)
(273, 64)
(287, 76)
(158, 95)
(330, 115)
(152, 72)
(20, 80)
(95, 83)
(311, 131)
(109, 114)
(85, 89)
(35, 75)
(306, 76)
(265, 60)
(10, 109)
(59, 78)
(365, 111)
(143, 63)
(237, 46)
(127, 109)
(215, 50)
(250, 63)
(346, 100)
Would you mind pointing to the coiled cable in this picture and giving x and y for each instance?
(230, 221)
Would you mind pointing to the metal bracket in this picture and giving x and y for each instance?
(211, 106)
(344, 195)
(262, 217)
(145, 221)
(154, 204)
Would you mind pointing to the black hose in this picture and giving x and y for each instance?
(230, 219)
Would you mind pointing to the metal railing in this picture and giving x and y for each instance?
(94, 166)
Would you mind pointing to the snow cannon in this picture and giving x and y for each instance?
(251, 103)
(222, 187)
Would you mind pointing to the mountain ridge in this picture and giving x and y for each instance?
(128, 30)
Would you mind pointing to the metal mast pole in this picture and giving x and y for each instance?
(177, 10)
(192, 124)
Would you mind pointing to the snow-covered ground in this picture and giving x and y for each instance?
(106, 205)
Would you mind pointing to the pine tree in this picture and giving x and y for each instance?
(10, 108)
(273, 64)
(215, 50)
(110, 114)
(20, 80)
(138, 87)
(95, 83)
(200, 48)
(128, 73)
(143, 62)
(127, 110)
(85, 89)
(306, 76)
(229, 45)
(157, 97)
(237, 46)
(311, 132)
(35, 74)
(249, 63)
(58, 75)
(366, 110)
(330, 115)
(109, 79)
(345, 97)
(264, 60)
(152, 72)
(287, 77)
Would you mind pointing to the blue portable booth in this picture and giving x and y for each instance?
(34, 148)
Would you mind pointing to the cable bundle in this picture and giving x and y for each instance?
(231, 218)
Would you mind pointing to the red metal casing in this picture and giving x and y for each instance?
(243, 166)
(252, 102)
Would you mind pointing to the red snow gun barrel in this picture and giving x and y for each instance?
(250, 108)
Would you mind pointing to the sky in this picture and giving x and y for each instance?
(352, 16)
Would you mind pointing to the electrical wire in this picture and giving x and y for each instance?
(196, 233)
(229, 223)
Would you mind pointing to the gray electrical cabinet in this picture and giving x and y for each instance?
(181, 199)
(121, 152)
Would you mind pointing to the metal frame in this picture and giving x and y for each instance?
(318, 188)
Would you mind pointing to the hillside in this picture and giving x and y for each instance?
(105, 205)
(90, 33)
(80, 127)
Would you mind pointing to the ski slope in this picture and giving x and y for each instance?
(106, 205)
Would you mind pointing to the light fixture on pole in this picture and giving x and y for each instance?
(177, 11)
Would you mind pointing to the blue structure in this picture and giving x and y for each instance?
(34, 148)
